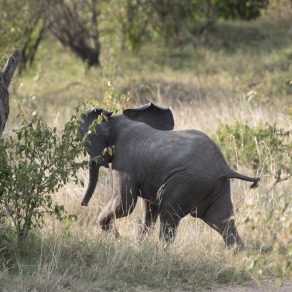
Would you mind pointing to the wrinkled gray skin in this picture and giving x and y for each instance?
(176, 172)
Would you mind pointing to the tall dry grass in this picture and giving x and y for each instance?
(77, 255)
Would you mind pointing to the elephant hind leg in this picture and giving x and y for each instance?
(168, 226)
(227, 229)
(151, 214)
(219, 217)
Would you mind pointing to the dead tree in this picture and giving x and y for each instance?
(5, 78)
(75, 24)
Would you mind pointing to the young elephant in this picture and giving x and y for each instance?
(176, 172)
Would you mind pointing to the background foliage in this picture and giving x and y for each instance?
(80, 25)
(266, 148)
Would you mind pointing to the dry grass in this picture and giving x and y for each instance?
(79, 256)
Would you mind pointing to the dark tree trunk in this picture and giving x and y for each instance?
(29, 50)
(67, 23)
(5, 78)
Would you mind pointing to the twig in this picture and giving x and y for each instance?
(280, 180)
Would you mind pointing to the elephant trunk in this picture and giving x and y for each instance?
(93, 178)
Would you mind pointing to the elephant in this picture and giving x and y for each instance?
(175, 172)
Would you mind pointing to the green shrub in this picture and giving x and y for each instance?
(272, 223)
(35, 162)
(266, 148)
(240, 9)
(3, 234)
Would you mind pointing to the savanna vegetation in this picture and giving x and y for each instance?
(222, 68)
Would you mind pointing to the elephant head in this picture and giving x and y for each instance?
(96, 127)
(95, 133)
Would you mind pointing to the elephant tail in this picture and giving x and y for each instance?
(234, 174)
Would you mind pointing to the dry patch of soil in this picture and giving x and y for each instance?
(265, 286)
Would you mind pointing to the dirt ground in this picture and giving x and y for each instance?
(267, 286)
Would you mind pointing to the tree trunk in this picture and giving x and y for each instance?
(67, 22)
(31, 45)
(5, 78)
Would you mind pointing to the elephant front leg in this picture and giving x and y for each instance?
(107, 214)
(118, 206)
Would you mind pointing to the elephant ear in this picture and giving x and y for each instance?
(91, 115)
(155, 116)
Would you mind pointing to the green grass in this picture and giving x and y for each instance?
(237, 72)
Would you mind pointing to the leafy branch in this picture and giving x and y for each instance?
(37, 161)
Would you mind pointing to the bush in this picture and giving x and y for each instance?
(266, 148)
(272, 222)
(35, 162)
(242, 9)
(269, 150)
(3, 235)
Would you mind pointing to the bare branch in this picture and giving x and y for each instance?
(280, 180)
(10, 67)
(5, 78)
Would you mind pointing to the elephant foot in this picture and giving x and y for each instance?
(238, 247)
(115, 232)
(110, 228)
